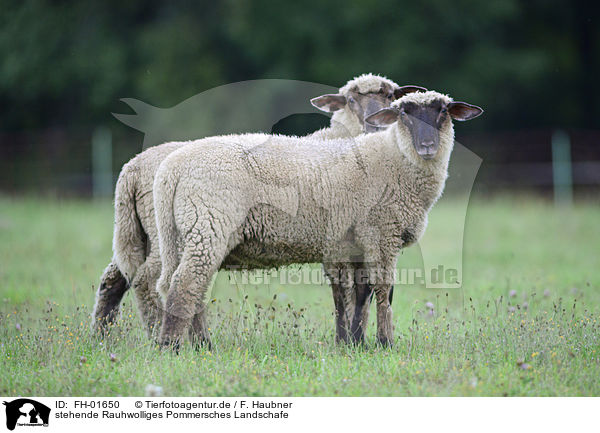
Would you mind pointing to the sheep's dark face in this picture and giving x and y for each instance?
(364, 105)
(425, 120)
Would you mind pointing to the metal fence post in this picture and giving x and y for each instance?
(102, 177)
(561, 168)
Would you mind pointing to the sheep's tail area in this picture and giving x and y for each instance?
(129, 238)
(164, 197)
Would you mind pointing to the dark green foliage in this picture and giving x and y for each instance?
(66, 64)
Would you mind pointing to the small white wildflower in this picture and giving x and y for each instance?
(153, 390)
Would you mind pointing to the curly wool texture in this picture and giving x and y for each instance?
(258, 200)
(367, 83)
(135, 237)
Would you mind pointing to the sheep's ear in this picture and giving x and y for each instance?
(329, 103)
(384, 117)
(401, 91)
(463, 111)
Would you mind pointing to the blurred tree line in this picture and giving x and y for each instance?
(66, 64)
(529, 63)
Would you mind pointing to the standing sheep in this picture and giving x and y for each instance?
(136, 259)
(258, 200)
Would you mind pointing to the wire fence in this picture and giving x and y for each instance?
(59, 162)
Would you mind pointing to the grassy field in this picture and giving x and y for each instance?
(526, 321)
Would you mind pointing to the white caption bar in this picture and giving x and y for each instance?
(72, 414)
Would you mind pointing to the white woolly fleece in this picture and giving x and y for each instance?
(422, 98)
(367, 83)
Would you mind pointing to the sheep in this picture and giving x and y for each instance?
(260, 200)
(136, 261)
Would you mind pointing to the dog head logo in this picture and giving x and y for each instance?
(245, 106)
(26, 412)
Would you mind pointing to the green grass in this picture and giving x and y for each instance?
(52, 254)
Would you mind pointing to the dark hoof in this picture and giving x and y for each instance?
(385, 342)
(170, 345)
(202, 345)
(358, 341)
(171, 334)
(101, 327)
(342, 339)
(109, 296)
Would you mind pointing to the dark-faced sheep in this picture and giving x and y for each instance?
(259, 200)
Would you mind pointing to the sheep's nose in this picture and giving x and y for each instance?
(427, 143)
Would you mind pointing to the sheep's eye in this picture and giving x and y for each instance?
(390, 96)
(444, 110)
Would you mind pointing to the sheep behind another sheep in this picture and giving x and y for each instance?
(136, 259)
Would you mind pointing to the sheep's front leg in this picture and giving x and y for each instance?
(380, 278)
(385, 327)
(113, 286)
(374, 275)
(363, 293)
(383, 279)
(341, 279)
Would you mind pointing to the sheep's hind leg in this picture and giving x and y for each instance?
(183, 296)
(200, 261)
(148, 300)
(199, 335)
(113, 286)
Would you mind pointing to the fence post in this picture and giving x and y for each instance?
(102, 177)
(561, 169)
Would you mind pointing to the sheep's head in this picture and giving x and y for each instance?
(424, 115)
(364, 96)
